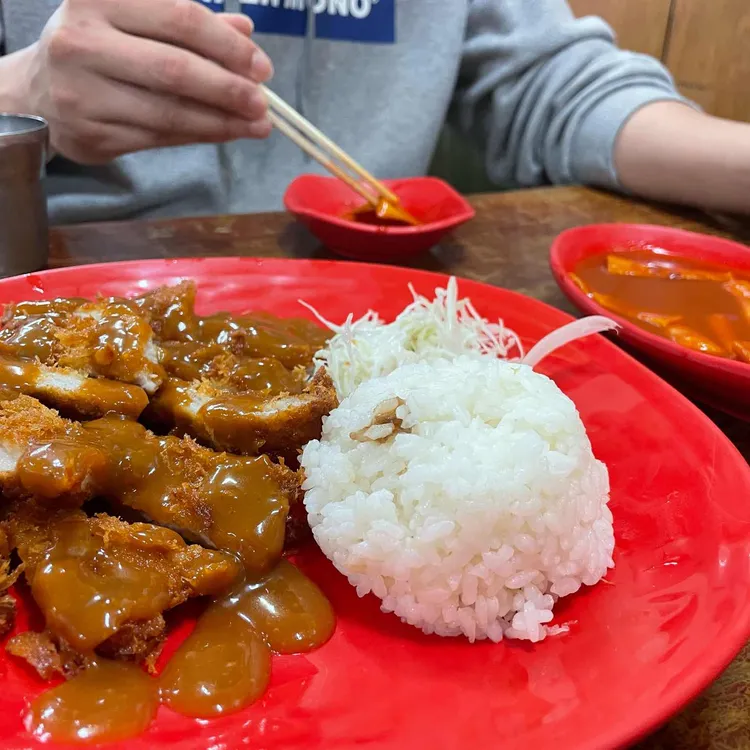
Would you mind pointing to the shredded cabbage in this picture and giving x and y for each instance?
(428, 330)
(442, 328)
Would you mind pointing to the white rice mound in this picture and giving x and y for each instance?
(473, 510)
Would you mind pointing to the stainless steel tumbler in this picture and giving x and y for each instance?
(23, 208)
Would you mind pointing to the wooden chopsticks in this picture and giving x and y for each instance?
(321, 148)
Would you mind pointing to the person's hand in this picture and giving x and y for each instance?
(115, 77)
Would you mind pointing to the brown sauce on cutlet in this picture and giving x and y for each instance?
(108, 338)
(119, 342)
(247, 423)
(291, 341)
(189, 360)
(91, 576)
(86, 592)
(230, 502)
(18, 375)
(29, 327)
(102, 584)
(84, 397)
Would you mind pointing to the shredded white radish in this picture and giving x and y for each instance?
(578, 329)
(442, 328)
(427, 330)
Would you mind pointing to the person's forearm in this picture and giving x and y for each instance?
(14, 95)
(668, 151)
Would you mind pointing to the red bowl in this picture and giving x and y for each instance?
(322, 202)
(722, 383)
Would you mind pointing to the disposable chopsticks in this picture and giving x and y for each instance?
(321, 148)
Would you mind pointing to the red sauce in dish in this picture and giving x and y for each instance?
(701, 306)
(385, 214)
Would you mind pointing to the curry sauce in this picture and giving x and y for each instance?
(701, 306)
(221, 667)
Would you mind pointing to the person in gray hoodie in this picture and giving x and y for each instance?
(154, 106)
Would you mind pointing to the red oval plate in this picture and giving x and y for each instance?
(719, 382)
(322, 202)
(676, 613)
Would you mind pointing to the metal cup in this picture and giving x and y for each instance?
(24, 239)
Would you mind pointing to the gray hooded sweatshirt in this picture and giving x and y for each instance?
(543, 94)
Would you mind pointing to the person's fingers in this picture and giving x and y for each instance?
(239, 22)
(138, 139)
(169, 70)
(190, 25)
(123, 103)
(98, 143)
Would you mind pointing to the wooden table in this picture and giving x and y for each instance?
(506, 245)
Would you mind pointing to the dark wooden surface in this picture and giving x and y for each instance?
(506, 245)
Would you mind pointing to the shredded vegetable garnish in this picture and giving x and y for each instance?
(443, 328)
(573, 331)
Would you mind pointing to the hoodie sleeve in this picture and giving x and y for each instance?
(547, 94)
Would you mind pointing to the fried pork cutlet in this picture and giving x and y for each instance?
(102, 584)
(107, 338)
(24, 423)
(51, 656)
(228, 502)
(74, 394)
(244, 423)
(171, 313)
(190, 361)
(26, 426)
(7, 579)
(238, 383)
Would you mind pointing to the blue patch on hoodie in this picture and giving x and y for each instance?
(215, 5)
(286, 17)
(341, 20)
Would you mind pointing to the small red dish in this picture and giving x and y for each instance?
(321, 203)
(722, 383)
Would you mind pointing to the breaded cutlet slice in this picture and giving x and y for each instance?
(225, 370)
(102, 584)
(48, 655)
(171, 312)
(229, 502)
(105, 338)
(140, 642)
(24, 422)
(26, 427)
(8, 577)
(244, 423)
(66, 389)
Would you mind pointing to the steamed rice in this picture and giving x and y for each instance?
(464, 494)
